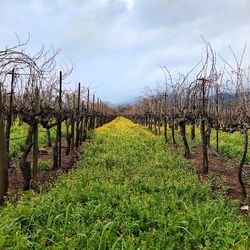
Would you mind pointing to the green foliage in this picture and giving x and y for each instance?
(18, 135)
(17, 139)
(128, 192)
(230, 144)
(44, 164)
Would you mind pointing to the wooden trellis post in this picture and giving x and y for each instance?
(165, 117)
(35, 141)
(3, 154)
(78, 116)
(9, 116)
(203, 129)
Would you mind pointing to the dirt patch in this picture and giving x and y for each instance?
(221, 168)
(45, 176)
(225, 172)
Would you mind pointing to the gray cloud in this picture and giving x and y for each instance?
(119, 44)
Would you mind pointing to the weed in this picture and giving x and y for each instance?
(128, 192)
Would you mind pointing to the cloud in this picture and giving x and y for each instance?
(119, 44)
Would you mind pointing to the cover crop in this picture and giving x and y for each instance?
(127, 192)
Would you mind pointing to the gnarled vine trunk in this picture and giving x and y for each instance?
(193, 131)
(23, 164)
(173, 133)
(240, 166)
(165, 129)
(49, 143)
(182, 125)
(204, 147)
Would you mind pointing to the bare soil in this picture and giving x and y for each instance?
(45, 176)
(225, 171)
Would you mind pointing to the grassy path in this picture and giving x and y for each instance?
(127, 193)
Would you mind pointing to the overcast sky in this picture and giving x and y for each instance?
(119, 45)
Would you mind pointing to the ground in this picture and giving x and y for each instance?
(127, 191)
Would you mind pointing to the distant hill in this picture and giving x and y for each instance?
(131, 102)
(224, 96)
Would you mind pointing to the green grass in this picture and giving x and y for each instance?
(127, 192)
(45, 164)
(19, 133)
(230, 144)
